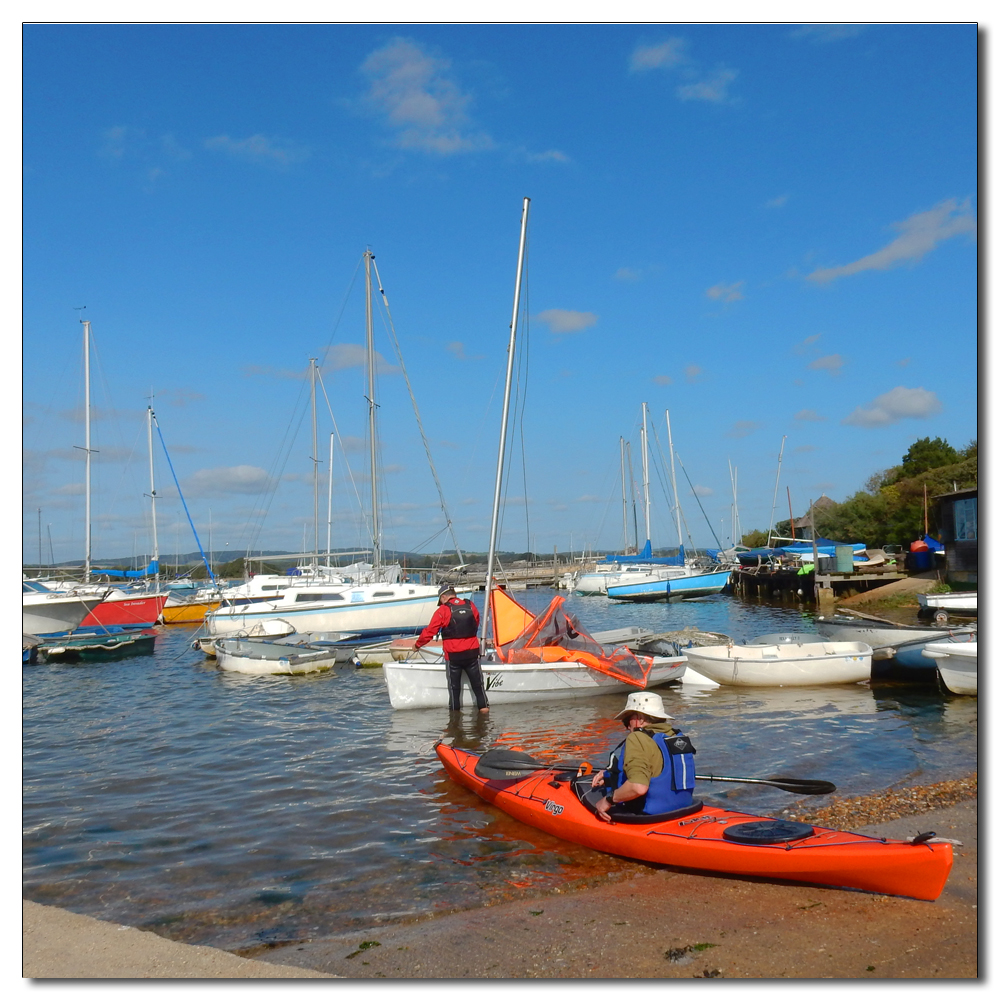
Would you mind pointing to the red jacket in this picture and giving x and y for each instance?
(439, 620)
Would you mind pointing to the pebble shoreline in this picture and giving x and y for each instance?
(849, 814)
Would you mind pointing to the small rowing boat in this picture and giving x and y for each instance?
(784, 664)
(710, 838)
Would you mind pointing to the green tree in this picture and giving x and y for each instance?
(754, 539)
(926, 454)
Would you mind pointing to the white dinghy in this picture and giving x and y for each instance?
(783, 664)
(958, 664)
(258, 656)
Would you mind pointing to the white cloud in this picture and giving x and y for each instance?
(778, 202)
(566, 320)
(118, 141)
(712, 88)
(806, 447)
(457, 349)
(702, 491)
(629, 274)
(259, 149)
(895, 405)
(342, 356)
(810, 415)
(549, 156)
(412, 92)
(827, 32)
(904, 362)
(918, 235)
(224, 480)
(727, 293)
(808, 342)
(742, 428)
(831, 363)
(663, 380)
(693, 372)
(663, 56)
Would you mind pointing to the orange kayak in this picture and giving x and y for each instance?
(713, 839)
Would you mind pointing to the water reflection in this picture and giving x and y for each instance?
(232, 810)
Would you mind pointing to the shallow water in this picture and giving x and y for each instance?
(240, 811)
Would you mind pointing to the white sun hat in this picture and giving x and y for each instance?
(648, 703)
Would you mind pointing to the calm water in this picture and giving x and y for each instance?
(238, 811)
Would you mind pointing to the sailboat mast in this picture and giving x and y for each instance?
(152, 491)
(315, 462)
(621, 445)
(645, 470)
(329, 504)
(774, 501)
(370, 342)
(673, 484)
(86, 446)
(494, 524)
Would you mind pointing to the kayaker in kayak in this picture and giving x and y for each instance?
(652, 769)
(458, 623)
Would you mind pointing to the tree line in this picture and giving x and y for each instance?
(890, 507)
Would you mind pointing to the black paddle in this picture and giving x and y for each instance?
(509, 765)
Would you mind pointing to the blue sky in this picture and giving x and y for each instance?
(769, 230)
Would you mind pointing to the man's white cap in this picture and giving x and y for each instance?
(647, 702)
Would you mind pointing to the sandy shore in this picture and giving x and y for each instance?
(676, 926)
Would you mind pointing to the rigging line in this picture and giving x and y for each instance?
(343, 306)
(427, 541)
(262, 506)
(343, 450)
(184, 502)
(698, 498)
(416, 412)
(662, 473)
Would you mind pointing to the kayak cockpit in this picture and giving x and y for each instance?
(621, 813)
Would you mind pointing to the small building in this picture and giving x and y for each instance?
(802, 526)
(958, 528)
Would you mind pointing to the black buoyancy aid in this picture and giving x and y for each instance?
(673, 787)
(463, 622)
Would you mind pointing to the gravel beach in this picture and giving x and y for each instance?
(677, 924)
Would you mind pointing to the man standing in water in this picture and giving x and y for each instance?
(458, 622)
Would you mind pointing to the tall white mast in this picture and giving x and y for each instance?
(673, 484)
(774, 501)
(645, 470)
(86, 445)
(329, 503)
(315, 462)
(152, 489)
(621, 445)
(494, 524)
(370, 341)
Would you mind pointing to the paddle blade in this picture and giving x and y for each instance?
(797, 786)
(500, 764)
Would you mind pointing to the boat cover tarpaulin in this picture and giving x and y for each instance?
(556, 636)
(151, 570)
(646, 557)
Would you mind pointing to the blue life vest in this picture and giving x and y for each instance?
(672, 788)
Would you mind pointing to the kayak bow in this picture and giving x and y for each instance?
(710, 838)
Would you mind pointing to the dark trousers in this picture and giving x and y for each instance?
(467, 660)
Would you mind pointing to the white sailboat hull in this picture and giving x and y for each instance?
(49, 614)
(784, 664)
(370, 609)
(412, 684)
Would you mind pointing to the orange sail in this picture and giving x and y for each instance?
(556, 636)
